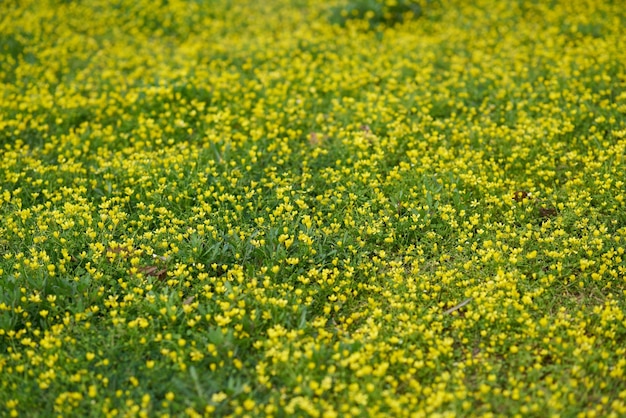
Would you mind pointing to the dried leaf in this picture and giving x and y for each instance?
(547, 212)
(148, 270)
(162, 274)
(520, 195)
(154, 271)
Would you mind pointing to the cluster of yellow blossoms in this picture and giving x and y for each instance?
(243, 208)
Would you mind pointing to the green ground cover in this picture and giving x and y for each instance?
(305, 208)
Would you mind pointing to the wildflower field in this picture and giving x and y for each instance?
(309, 208)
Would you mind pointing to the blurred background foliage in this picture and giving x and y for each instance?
(379, 12)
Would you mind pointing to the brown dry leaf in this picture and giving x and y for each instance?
(520, 195)
(149, 270)
(154, 271)
(547, 212)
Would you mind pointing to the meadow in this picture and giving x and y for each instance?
(308, 208)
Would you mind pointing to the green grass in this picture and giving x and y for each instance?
(295, 208)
